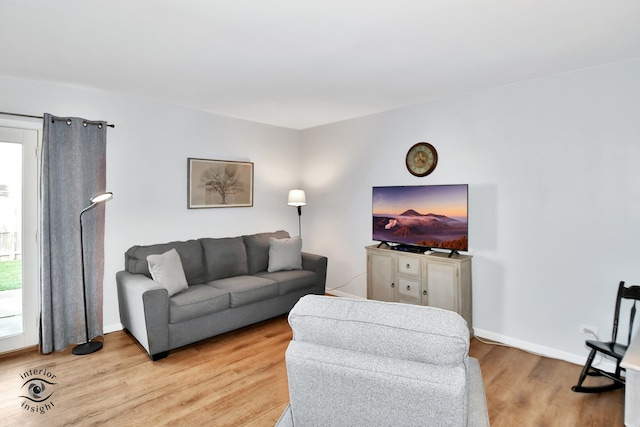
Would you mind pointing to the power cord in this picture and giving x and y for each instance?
(600, 356)
(347, 282)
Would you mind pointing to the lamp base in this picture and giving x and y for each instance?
(87, 348)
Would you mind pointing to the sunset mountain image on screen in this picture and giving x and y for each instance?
(430, 216)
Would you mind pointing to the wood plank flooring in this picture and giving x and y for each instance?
(529, 390)
(239, 379)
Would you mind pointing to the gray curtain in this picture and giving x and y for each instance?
(73, 169)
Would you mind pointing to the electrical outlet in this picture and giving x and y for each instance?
(588, 330)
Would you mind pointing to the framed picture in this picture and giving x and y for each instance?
(219, 184)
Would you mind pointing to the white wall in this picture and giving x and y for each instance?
(147, 169)
(554, 170)
(553, 167)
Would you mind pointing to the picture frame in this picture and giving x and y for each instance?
(219, 184)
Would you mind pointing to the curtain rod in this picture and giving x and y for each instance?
(40, 117)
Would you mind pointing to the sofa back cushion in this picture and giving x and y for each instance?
(258, 249)
(224, 257)
(191, 256)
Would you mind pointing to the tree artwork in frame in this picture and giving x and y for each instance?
(219, 184)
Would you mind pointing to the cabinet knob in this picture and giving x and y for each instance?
(393, 285)
(408, 266)
(408, 287)
(424, 292)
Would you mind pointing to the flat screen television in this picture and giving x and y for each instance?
(422, 216)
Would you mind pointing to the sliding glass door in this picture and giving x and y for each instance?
(18, 234)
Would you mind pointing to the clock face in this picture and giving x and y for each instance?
(422, 159)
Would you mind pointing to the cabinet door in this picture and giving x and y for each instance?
(442, 286)
(380, 277)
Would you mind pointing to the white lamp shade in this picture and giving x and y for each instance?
(297, 198)
(102, 197)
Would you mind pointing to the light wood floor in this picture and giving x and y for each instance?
(528, 390)
(239, 379)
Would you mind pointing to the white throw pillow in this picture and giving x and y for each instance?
(285, 254)
(167, 270)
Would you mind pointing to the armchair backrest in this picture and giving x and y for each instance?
(362, 362)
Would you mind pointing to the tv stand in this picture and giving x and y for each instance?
(438, 279)
(453, 252)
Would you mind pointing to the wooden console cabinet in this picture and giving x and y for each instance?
(415, 278)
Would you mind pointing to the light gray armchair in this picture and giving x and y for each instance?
(370, 363)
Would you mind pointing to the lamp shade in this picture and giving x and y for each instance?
(103, 197)
(297, 198)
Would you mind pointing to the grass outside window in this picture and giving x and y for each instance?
(10, 275)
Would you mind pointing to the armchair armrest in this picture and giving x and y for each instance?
(286, 419)
(144, 310)
(478, 412)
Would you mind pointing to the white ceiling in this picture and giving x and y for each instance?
(304, 63)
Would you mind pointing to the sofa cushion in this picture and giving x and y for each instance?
(401, 331)
(166, 269)
(292, 280)
(191, 256)
(285, 254)
(245, 290)
(197, 301)
(224, 257)
(258, 249)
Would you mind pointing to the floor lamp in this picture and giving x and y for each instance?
(298, 199)
(88, 347)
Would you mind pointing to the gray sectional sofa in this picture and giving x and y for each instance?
(212, 286)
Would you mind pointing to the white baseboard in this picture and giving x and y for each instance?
(544, 351)
(107, 329)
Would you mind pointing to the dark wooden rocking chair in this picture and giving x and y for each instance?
(610, 348)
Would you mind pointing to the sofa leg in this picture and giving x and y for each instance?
(159, 356)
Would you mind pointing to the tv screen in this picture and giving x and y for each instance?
(430, 216)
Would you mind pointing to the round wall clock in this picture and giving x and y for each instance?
(422, 159)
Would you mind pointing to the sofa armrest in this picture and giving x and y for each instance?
(317, 264)
(144, 310)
